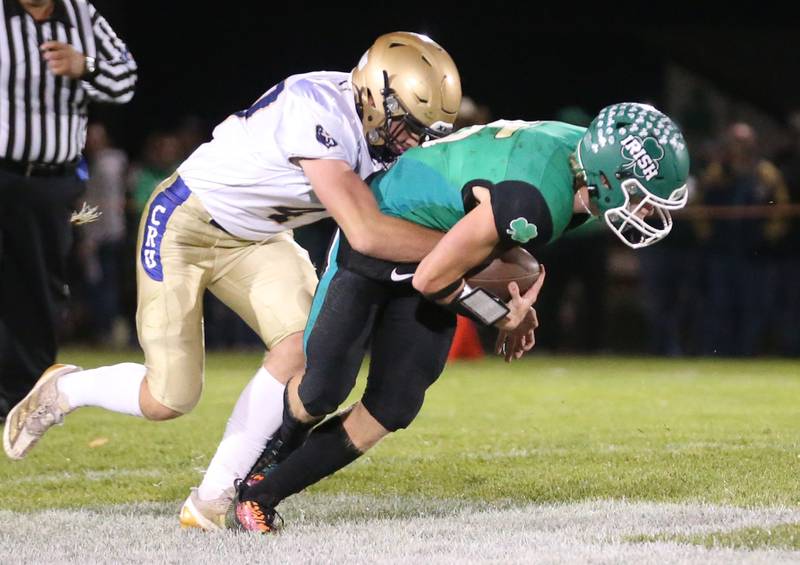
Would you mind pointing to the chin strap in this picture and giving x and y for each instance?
(583, 202)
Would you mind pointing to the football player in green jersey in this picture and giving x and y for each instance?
(510, 183)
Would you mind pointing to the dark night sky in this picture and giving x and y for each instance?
(199, 58)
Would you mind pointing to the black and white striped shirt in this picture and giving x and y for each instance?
(42, 116)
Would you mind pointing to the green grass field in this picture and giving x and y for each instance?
(542, 431)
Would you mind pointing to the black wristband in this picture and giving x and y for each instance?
(445, 292)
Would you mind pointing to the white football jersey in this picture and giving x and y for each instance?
(246, 177)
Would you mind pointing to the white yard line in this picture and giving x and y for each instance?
(355, 529)
(58, 478)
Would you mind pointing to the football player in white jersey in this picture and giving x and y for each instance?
(223, 222)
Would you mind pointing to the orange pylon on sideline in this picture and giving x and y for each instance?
(466, 343)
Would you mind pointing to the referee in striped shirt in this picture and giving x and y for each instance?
(55, 57)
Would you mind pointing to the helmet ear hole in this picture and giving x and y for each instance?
(371, 100)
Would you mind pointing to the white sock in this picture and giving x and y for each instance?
(114, 388)
(256, 417)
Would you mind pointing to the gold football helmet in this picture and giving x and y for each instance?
(405, 79)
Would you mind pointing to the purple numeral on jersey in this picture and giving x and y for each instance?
(264, 101)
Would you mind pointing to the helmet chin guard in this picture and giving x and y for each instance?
(644, 218)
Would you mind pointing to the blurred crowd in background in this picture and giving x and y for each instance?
(726, 282)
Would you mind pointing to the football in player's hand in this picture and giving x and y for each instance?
(514, 265)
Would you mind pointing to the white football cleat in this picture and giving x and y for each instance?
(27, 422)
(208, 515)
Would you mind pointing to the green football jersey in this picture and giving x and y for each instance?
(525, 165)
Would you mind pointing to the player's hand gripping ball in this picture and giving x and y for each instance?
(514, 265)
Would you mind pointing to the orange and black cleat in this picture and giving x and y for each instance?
(251, 516)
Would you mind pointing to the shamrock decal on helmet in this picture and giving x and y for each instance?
(642, 156)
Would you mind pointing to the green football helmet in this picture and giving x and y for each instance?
(636, 166)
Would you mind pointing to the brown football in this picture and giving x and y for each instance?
(515, 265)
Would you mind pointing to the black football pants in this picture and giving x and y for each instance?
(408, 338)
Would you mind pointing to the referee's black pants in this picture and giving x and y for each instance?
(35, 240)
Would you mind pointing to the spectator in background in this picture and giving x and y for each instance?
(191, 133)
(786, 302)
(696, 117)
(671, 277)
(101, 245)
(671, 288)
(161, 154)
(739, 260)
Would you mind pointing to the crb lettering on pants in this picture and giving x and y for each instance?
(161, 208)
(151, 236)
